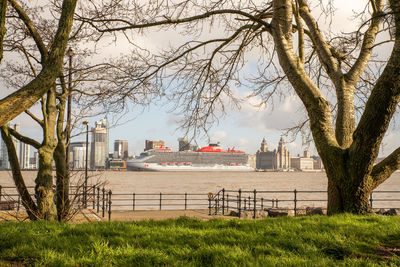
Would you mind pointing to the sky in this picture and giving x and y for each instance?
(243, 129)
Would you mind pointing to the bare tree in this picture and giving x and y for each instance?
(14, 104)
(329, 74)
(90, 84)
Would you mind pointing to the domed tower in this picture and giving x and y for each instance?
(264, 146)
(283, 156)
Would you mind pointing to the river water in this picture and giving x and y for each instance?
(123, 182)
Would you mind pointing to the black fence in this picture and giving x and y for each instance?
(103, 201)
(97, 198)
(253, 200)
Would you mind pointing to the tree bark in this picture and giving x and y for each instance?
(62, 182)
(44, 179)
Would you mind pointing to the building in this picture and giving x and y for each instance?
(282, 156)
(252, 161)
(121, 149)
(305, 163)
(279, 159)
(318, 165)
(99, 147)
(5, 164)
(78, 158)
(265, 160)
(153, 144)
(184, 145)
(24, 156)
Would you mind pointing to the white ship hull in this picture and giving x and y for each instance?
(141, 166)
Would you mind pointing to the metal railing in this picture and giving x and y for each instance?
(104, 201)
(254, 200)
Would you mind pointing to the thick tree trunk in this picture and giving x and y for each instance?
(62, 182)
(44, 185)
(347, 193)
(352, 199)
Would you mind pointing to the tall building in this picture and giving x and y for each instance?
(121, 149)
(279, 159)
(4, 155)
(24, 156)
(4, 152)
(99, 149)
(265, 160)
(78, 151)
(283, 156)
(184, 145)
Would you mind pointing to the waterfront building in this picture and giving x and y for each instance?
(149, 144)
(184, 145)
(318, 165)
(279, 159)
(24, 156)
(78, 151)
(99, 147)
(121, 149)
(304, 163)
(5, 164)
(252, 161)
(282, 156)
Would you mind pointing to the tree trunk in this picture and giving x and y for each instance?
(62, 181)
(347, 193)
(3, 7)
(44, 185)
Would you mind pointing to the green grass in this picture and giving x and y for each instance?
(344, 240)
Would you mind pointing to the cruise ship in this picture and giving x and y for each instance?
(209, 158)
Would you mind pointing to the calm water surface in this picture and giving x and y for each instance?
(201, 182)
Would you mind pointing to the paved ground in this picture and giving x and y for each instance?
(91, 216)
(158, 215)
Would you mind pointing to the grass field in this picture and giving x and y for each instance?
(306, 241)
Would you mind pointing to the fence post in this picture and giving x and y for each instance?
(370, 199)
(133, 201)
(276, 203)
(295, 202)
(262, 204)
(240, 202)
(209, 205)
(109, 205)
(160, 199)
(19, 201)
(273, 202)
(98, 199)
(223, 201)
(104, 198)
(245, 204)
(216, 206)
(0, 191)
(249, 203)
(227, 202)
(255, 204)
(94, 196)
(185, 201)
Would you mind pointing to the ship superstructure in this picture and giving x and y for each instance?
(210, 158)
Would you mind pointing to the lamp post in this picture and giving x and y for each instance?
(86, 164)
(70, 54)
